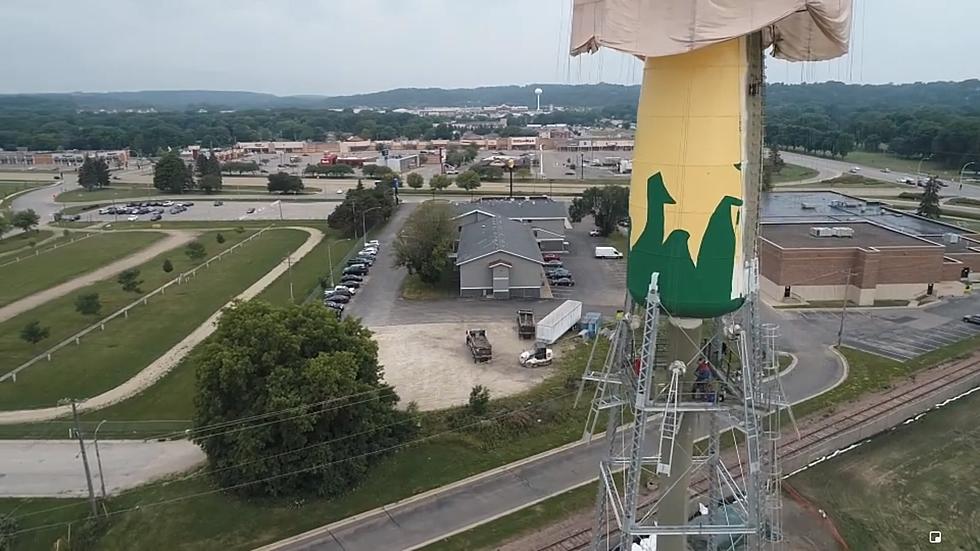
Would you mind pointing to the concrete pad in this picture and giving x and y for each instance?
(431, 365)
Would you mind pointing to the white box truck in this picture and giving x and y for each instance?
(560, 320)
(607, 252)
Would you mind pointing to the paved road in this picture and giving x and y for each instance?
(173, 240)
(53, 468)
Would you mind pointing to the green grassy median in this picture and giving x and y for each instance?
(37, 273)
(104, 359)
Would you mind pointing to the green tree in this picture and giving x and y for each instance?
(240, 167)
(607, 205)
(489, 172)
(362, 207)
(468, 180)
(424, 244)
(376, 171)
(219, 238)
(415, 180)
(93, 174)
(25, 219)
(88, 304)
(208, 170)
(130, 280)
(522, 173)
(439, 182)
(195, 250)
(284, 183)
(929, 203)
(34, 333)
(479, 399)
(302, 368)
(168, 266)
(171, 174)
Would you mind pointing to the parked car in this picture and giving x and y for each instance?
(369, 260)
(374, 243)
(337, 298)
(352, 277)
(156, 216)
(176, 210)
(554, 264)
(550, 256)
(218, 203)
(369, 252)
(558, 274)
(250, 211)
(187, 204)
(564, 282)
(353, 261)
(351, 284)
(356, 269)
(133, 218)
(972, 318)
(168, 203)
(344, 290)
(334, 305)
(594, 233)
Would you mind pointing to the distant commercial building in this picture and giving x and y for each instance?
(271, 147)
(824, 246)
(518, 142)
(70, 158)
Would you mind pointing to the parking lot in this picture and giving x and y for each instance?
(204, 209)
(901, 334)
(598, 282)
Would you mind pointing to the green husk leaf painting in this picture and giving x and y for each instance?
(687, 289)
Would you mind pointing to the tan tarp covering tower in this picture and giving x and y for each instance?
(798, 30)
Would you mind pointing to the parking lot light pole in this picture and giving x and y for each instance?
(962, 170)
(364, 223)
(330, 260)
(289, 262)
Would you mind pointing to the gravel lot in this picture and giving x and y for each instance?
(431, 365)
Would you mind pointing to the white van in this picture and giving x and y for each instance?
(607, 252)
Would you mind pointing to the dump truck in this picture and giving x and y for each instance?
(479, 345)
(525, 324)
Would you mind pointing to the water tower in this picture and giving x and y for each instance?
(537, 94)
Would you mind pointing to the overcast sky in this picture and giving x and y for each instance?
(336, 47)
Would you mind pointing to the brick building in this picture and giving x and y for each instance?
(824, 246)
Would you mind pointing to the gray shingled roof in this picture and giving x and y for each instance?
(516, 209)
(496, 234)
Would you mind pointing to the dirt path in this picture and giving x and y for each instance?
(162, 365)
(174, 239)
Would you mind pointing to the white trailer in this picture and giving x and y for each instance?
(558, 322)
(607, 252)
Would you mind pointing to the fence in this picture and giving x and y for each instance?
(38, 251)
(124, 311)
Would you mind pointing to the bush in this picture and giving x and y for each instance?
(168, 266)
(195, 250)
(240, 229)
(219, 238)
(479, 399)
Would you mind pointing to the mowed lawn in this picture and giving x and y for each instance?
(18, 240)
(105, 359)
(888, 494)
(10, 188)
(48, 269)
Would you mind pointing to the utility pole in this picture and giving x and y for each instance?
(81, 445)
(843, 310)
(289, 262)
(98, 457)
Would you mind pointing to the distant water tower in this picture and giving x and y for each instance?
(537, 93)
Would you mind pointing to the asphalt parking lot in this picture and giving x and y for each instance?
(598, 282)
(901, 334)
(231, 210)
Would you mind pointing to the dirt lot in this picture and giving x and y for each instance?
(430, 364)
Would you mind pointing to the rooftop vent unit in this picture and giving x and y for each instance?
(951, 238)
(853, 205)
(837, 203)
(809, 206)
(818, 231)
(843, 231)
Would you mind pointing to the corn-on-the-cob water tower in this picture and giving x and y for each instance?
(690, 358)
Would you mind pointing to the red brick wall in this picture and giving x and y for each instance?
(870, 267)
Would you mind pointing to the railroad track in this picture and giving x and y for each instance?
(927, 383)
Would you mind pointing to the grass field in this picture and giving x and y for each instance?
(414, 288)
(9, 188)
(849, 181)
(37, 273)
(307, 272)
(219, 521)
(100, 362)
(793, 173)
(23, 241)
(890, 492)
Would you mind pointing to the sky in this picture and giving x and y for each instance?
(335, 47)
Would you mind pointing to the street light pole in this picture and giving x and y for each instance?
(98, 457)
(843, 311)
(289, 262)
(963, 170)
(330, 261)
(364, 223)
(918, 168)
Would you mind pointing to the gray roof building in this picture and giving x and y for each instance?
(496, 234)
(517, 209)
